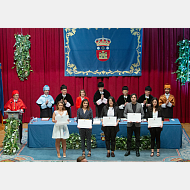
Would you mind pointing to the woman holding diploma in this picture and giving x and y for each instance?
(60, 132)
(110, 110)
(85, 112)
(155, 111)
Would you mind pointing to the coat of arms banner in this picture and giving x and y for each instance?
(103, 52)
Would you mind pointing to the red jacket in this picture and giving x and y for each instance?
(79, 100)
(14, 106)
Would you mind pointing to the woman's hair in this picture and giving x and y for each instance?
(114, 103)
(85, 100)
(80, 158)
(57, 106)
(157, 106)
(81, 91)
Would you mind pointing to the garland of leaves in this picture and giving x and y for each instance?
(10, 145)
(183, 61)
(145, 143)
(74, 141)
(22, 56)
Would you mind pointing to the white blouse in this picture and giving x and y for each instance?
(155, 115)
(110, 112)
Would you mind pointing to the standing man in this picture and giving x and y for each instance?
(145, 99)
(167, 102)
(66, 98)
(123, 100)
(16, 104)
(133, 107)
(45, 102)
(100, 98)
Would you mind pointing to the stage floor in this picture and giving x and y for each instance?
(26, 154)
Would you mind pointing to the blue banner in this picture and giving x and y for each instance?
(103, 51)
(1, 93)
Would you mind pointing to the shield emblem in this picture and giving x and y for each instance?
(103, 48)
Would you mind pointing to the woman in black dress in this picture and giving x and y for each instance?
(85, 112)
(110, 109)
(155, 111)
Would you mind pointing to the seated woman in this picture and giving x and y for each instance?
(60, 133)
(110, 109)
(82, 96)
(155, 111)
(85, 112)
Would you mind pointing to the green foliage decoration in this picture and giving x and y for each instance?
(10, 145)
(145, 143)
(22, 56)
(74, 141)
(183, 61)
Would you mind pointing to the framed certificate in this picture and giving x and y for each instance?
(134, 117)
(155, 122)
(84, 123)
(62, 120)
(109, 121)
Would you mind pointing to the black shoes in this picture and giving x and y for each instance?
(137, 153)
(108, 154)
(112, 154)
(127, 153)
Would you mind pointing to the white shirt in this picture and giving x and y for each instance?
(110, 112)
(155, 115)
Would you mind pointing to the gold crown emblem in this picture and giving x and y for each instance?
(102, 41)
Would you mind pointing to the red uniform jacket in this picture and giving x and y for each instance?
(79, 100)
(14, 106)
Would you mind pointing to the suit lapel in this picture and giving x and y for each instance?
(136, 108)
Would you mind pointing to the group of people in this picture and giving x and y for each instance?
(106, 105)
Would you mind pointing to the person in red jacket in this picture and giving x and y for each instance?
(16, 104)
(82, 95)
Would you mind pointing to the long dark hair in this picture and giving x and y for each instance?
(85, 100)
(114, 103)
(158, 108)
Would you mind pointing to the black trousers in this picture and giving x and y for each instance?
(110, 135)
(85, 133)
(155, 135)
(129, 136)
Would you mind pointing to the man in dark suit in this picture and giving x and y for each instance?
(100, 98)
(65, 98)
(133, 107)
(145, 99)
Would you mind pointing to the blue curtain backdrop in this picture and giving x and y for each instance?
(103, 52)
(1, 93)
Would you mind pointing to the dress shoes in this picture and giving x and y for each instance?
(108, 154)
(137, 153)
(127, 153)
(112, 154)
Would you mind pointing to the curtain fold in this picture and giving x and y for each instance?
(159, 53)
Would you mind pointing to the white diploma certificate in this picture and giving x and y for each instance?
(155, 122)
(62, 120)
(109, 121)
(134, 117)
(84, 123)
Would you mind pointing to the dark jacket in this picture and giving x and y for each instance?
(116, 114)
(150, 114)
